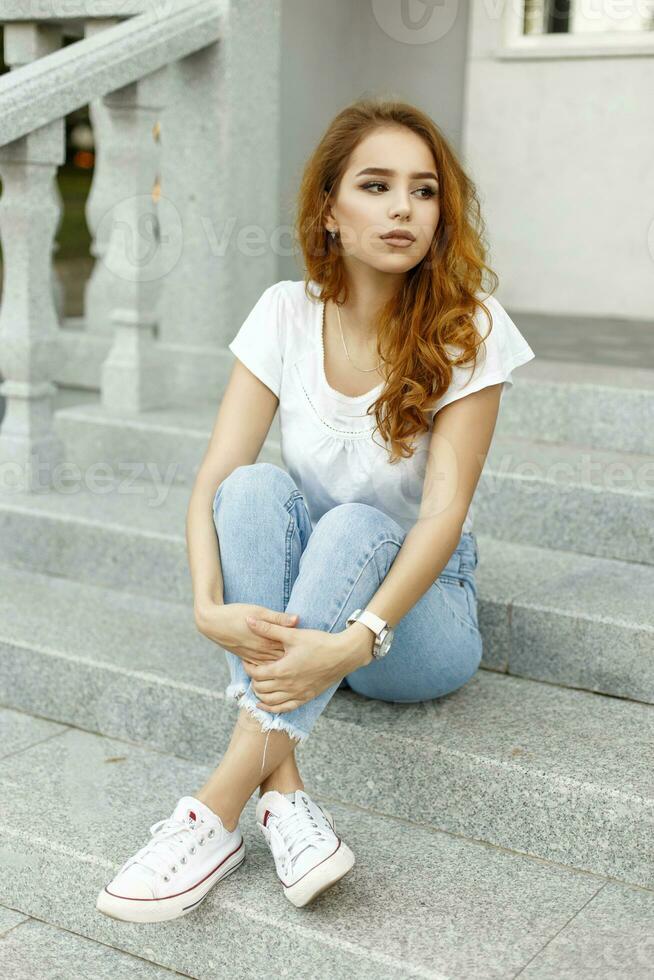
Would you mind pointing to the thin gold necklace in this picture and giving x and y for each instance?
(364, 370)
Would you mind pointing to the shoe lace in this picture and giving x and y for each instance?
(300, 830)
(171, 841)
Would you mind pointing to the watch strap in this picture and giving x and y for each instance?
(375, 623)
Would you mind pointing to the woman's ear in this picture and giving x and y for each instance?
(328, 222)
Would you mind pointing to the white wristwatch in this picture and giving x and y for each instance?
(381, 629)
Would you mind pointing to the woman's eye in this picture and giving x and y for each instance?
(377, 183)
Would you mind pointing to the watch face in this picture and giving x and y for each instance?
(385, 644)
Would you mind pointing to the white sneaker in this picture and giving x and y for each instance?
(189, 852)
(309, 856)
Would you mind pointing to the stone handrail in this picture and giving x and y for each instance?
(59, 83)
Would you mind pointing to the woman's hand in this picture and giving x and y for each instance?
(314, 660)
(226, 625)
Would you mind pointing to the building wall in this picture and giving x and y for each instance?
(562, 151)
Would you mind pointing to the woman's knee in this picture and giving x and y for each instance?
(355, 521)
(251, 478)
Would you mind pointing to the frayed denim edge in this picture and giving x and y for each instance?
(235, 690)
(269, 722)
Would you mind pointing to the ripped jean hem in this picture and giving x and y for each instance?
(235, 690)
(269, 722)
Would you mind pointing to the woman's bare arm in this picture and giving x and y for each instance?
(243, 421)
(202, 548)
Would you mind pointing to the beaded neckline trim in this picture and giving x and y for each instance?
(351, 433)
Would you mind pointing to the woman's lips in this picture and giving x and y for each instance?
(398, 242)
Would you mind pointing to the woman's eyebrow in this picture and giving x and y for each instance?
(393, 173)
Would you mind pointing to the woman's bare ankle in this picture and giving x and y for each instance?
(281, 785)
(285, 778)
(227, 814)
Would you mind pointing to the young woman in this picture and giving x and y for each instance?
(354, 565)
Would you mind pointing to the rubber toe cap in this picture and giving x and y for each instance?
(132, 883)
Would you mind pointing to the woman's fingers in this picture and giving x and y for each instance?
(247, 654)
(281, 708)
(265, 687)
(271, 698)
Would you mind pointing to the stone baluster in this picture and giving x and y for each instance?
(30, 350)
(131, 378)
(25, 42)
(107, 187)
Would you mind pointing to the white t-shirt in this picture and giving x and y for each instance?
(326, 438)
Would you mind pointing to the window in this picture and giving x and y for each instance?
(577, 28)
(586, 16)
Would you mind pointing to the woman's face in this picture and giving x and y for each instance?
(371, 203)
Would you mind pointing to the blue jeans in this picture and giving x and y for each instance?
(271, 556)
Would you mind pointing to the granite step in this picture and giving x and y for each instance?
(588, 501)
(568, 619)
(599, 405)
(34, 950)
(152, 445)
(547, 614)
(552, 772)
(418, 902)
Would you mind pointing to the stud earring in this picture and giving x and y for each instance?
(333, 234)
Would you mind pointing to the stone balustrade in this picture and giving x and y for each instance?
(120, 66)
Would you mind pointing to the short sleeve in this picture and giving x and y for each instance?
(259, 340)
(503, 350)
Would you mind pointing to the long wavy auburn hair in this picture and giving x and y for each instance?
(436, 303)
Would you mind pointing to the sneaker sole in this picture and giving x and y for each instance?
(320, 878)
(163, 909)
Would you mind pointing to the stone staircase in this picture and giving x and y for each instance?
(503, 830)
